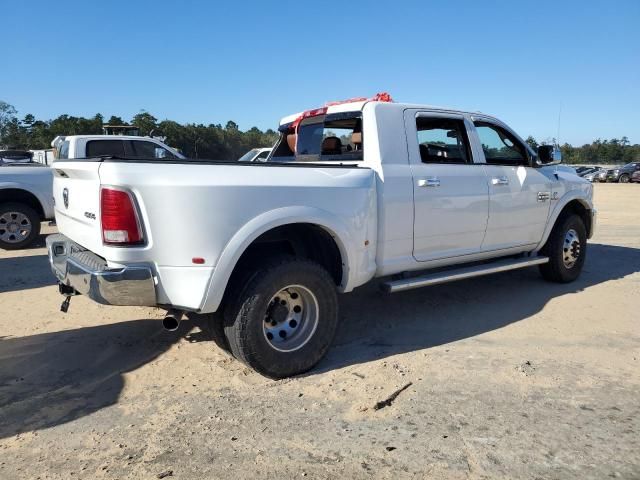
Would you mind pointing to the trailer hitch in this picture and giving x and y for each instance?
(68, 292)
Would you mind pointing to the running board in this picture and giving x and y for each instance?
(461, 273)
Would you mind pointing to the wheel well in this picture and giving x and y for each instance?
(578, 208)
(303, 240)
(16, 195)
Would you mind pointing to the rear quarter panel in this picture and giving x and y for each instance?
(215, 211)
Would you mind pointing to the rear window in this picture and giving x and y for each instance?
(96, 148)
(333, 137)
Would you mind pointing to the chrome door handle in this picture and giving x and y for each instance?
(499, 181)
(429, 182)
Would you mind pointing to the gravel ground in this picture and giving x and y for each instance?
(510, 377)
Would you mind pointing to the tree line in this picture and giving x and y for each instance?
(229, 142)
(211, 141)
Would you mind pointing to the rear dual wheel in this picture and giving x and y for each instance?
(280, 319)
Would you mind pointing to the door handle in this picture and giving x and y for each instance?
(499, 181)
(429, 182)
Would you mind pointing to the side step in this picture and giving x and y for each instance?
(461, 273)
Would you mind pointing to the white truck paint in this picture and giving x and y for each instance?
(410, 188)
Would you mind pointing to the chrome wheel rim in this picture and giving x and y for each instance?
(571, 248)
(14, 227)
(291, 318)
(624, 179)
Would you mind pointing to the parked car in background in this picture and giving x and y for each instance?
(356, 190)
(599, 175)
(622, 174)
(11, 157)
(114, 146)
(256, 155)
(582, 171)
(26, 199)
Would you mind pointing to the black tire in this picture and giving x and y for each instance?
(13, 242)
(556, 270)
(624, 178)
(247, 309)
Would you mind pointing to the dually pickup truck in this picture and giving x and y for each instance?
(352, 191)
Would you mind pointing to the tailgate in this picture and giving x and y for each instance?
(76, 192)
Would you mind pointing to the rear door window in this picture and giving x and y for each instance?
(442, 140)
(96, 148)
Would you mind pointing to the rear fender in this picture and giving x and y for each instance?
(268, 221)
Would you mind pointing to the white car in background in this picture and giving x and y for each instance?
(256, 155)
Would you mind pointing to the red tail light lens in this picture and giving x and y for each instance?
(120, 223)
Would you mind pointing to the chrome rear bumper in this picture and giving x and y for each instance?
(88, 274)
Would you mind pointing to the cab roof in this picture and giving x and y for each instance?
(359, 105)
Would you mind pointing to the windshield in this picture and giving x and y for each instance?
(247, 157)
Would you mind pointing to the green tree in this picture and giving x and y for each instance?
(146, 122)
(113, 120)
(532, 143)
(7, 117)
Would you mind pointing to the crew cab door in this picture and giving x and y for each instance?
(450, 191)
(519, 195)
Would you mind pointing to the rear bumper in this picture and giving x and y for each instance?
(88, 274)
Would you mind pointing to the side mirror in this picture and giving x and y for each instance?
(548, 155)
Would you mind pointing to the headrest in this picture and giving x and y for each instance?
(331, 146)
(291, 141)
(356, 138)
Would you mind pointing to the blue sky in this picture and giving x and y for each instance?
(255, 62)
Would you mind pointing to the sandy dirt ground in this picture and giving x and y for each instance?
(511, 377)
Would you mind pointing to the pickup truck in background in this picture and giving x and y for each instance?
(114, 146)
(352, 191)
(26, 200)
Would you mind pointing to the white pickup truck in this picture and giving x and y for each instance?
(26, 200)
(352, 191)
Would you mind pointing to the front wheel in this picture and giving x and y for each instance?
(566, 249)
(282, 322)
(624, 178)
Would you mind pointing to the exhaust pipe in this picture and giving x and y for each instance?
(172, 320)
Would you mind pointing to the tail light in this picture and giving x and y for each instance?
(119, 218)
